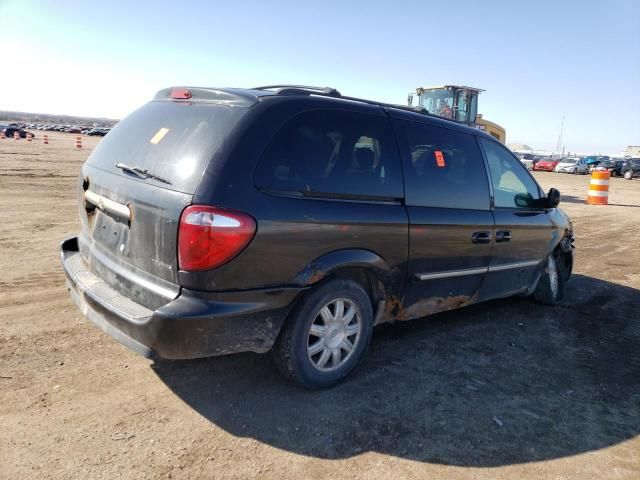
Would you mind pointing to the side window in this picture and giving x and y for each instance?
(333, 153)
(443, 168)
(513, 187)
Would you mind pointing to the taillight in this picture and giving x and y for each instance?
(209, 237)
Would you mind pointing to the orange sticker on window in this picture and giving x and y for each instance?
(439, 159)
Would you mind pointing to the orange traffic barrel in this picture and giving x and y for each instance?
(598, 193)
(45, 139)
(78, 142)
(16, 136)
(2, 135)
(29, 136)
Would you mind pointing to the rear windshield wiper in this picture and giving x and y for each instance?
(141, 172)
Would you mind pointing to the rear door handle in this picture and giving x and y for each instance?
(503, 236)
(481, 237)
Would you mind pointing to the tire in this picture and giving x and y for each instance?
(628, 175)
(574, 171)
(294, 352)
(550, 288)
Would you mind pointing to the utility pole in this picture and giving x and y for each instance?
(560, 136)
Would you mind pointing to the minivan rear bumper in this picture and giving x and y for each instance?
(195, 324)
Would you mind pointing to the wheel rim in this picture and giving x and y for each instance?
(334, 334)
(552, 269)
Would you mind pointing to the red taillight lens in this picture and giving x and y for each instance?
(209, 236)
(180, 93)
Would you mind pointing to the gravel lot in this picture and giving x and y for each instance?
(503, 390)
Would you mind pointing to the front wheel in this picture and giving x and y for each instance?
(550, 288)
(326, 335)
(574, 171)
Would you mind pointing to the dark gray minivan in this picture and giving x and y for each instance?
(294, 219)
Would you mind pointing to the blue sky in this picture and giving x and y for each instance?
(537, 60)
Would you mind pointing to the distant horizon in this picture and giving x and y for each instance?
(71, 115)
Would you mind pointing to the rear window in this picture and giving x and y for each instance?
(172, 140)
(334, 154)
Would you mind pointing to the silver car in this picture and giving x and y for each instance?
(526, 160)
(572, 165)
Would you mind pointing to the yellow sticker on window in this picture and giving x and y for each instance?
(157, 138)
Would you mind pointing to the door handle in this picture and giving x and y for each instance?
(503, 236)
(481, 237)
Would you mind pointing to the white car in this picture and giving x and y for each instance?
(572, 165)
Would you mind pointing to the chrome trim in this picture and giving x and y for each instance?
(476, 271)
(451, 273)
(509, 266)
(107, 205)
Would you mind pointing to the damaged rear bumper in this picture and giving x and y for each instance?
(195, 324)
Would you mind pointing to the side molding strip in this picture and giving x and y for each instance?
(451, 273)
(509, 266)
(477, 271)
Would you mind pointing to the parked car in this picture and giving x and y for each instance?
(216, 221)
(527, 160)
(547, 165)
(630, 168)
(97, 131)
(594, 160)
(10, 130)
(528, 163)
(616, 170)
(606, 164)
(572, 165)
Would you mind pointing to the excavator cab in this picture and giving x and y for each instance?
(450, 101)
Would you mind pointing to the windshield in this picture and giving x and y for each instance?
(569, 160)
(438, 102)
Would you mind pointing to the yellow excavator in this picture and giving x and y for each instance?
(458, 103)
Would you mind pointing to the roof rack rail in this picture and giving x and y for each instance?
(332, 92)
(301, 89)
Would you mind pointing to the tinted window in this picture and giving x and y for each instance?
(443, 168)
(512, 184)
(333, 153)
(172, 140)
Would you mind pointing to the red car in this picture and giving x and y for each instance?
(546, 165)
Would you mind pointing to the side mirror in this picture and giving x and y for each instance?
(553, 198)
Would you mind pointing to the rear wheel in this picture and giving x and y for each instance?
(326, 335)
(550, 288)
(628, 175)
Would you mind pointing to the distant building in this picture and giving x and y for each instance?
(632, 151)
(520, 147)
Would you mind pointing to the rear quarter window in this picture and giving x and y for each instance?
(335, 154)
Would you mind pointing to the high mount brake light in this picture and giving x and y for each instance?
(209, 237)
(180, 93)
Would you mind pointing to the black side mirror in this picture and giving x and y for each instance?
(553, 198)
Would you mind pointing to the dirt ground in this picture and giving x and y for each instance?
(503, 390)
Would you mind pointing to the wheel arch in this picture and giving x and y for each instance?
(382, 282)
